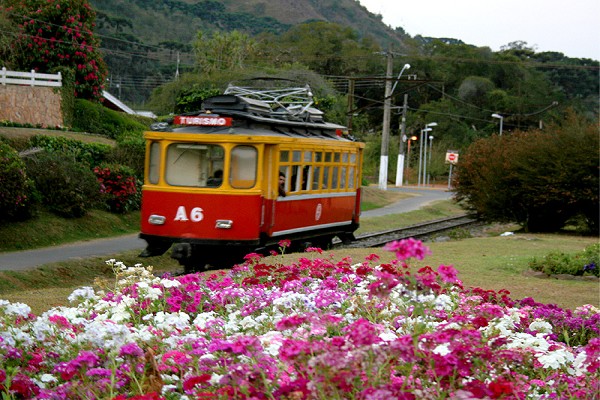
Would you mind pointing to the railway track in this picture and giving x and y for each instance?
(421, 231)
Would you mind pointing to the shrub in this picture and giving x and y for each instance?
(91, 154)
(539, 179)
(130, 151)
(585, 262)
(66, 187)
(14, 185)
(95, 118)
(119, 187)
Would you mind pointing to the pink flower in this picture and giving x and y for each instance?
(408, 248)
(448, 274)
(284, 243)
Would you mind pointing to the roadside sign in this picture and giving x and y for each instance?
(451, 157)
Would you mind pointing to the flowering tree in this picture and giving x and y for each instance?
(58, 33)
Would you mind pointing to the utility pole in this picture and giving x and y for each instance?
(350, 104)
(385, 133)
(402, 138)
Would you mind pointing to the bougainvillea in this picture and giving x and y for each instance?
(59, 33)
(314, 329)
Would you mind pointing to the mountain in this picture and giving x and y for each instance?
(145, 42)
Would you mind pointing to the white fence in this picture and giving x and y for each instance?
(30, 78)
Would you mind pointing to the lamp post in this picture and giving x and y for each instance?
(430, 153)
(423, 152)
(501, 118)
(385, 134)
(410, 139)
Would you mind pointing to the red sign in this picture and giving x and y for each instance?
(202, 121)
(451, 157)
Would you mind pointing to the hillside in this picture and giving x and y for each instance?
(160, 21)
(145, 42)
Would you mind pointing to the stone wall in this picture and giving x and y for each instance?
(35, 105)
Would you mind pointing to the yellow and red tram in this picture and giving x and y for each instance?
(212, 190)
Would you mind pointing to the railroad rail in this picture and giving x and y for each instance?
(422, 231)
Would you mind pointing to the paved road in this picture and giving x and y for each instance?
(21, 260)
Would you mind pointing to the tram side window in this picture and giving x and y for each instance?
(243, 166)
(191, 164)
(154, 166)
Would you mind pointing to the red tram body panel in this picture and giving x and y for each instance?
(244, 173)
(203, 217)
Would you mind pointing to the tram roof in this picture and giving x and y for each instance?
(258, 117)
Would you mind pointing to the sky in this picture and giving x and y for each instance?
(569, 27)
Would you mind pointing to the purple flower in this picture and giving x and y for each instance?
(131, 349)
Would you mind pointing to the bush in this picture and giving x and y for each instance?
(66, 187)
(583, 263)
(14, 185)
(95, 118)
(130, 151)
(119, 187)
(91, 154)
(539, 179)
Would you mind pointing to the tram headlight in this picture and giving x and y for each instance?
(223, 224)
(156, 219)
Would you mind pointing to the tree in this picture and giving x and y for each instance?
(55, 34)
(223, 51)
(540, 179)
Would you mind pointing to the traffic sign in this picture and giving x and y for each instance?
(451, 157)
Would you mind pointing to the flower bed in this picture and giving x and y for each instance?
(315, 329)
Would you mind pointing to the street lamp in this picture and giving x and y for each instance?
(430, 153)
(410, 139)
(385, 134)
(501, 119)
(423, 152)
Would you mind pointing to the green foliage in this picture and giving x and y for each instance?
(119, 188)
(222, 51)
(59, 33)
(90, 154)
(191, 99)
(95, 118)
(129, 152)
(65, 186)
(67, 95)
(324, 47)
(586, 262)
(14, 185)
(539, 179)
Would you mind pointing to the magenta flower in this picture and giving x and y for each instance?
(408, 248)
(448, 274)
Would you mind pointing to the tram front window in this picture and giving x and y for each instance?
(193, 164)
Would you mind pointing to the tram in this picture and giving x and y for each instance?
(251, 168)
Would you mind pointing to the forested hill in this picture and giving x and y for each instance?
(160, 31)
(155, 21)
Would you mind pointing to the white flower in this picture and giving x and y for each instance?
(388, 336)
(215, 379)
(443, 302)
(556, 359)
(170, 283)
(271, 342)
(48, 378)
(202, 319)
(442, 349)
(81, 294)
(18, 309)
(540, 326)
